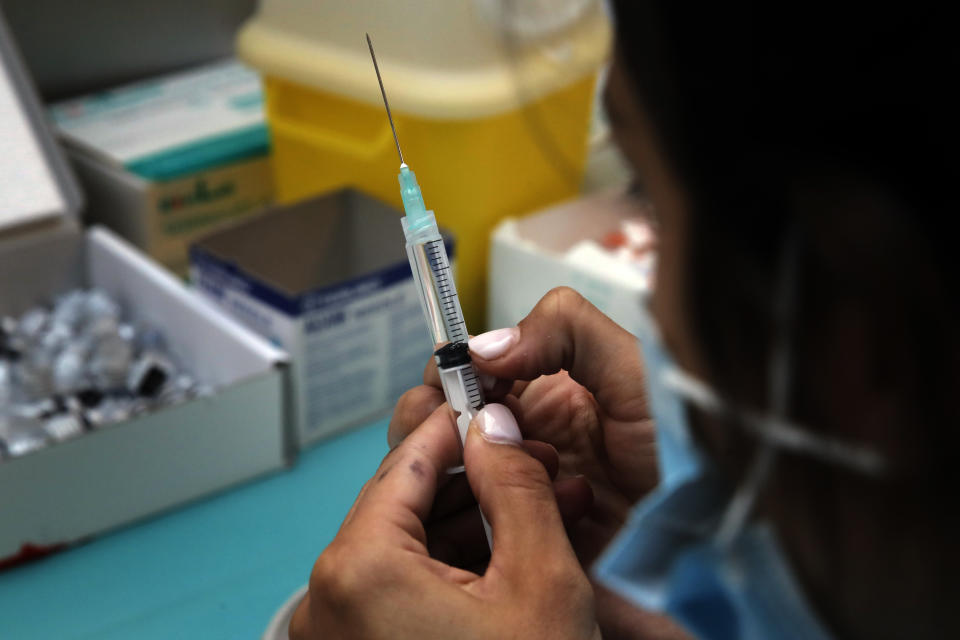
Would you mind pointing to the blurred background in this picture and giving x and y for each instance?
(204, 285)
(120, 42)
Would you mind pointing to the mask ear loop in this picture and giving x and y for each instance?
(781, 369)
(772, 428)
(781, 433)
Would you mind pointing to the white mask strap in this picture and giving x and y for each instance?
(781, 369)
(780, 433)
(772, 428)
(741, 505)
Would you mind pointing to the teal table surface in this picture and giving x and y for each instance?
(217, 568)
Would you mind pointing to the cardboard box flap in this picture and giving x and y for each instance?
(36, 185)
(311, 245)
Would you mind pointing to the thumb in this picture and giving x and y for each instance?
(514, 492)
(565, 332)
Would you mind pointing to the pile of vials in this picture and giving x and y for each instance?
(76, 366)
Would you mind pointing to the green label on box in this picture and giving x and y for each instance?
(186, 208)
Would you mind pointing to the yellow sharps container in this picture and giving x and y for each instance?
(492, 101)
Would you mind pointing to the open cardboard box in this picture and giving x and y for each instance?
(71, 490)
(329, 281)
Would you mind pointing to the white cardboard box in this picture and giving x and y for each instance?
(531, 255)
(165, 160)
(71, 490)
(328, 280)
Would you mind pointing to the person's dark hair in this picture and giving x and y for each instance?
(838, 126)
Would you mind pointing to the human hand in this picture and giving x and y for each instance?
(574, 379)
(377, 579)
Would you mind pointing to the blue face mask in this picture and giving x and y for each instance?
(689, 549)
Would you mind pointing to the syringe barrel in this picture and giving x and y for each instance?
(461, 384)
(438, 293)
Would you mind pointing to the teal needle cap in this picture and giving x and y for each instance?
(412, 199)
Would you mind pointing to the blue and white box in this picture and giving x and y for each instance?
(327, 280)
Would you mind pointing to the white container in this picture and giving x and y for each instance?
(561, 247)
(69, 491)
(328, 280)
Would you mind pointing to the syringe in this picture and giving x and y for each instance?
(438, 295)
(441, 305)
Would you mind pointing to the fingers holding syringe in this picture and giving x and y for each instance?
(400, 495)
(412, 409)
(565, 332)
(455, 495)
(494, 388)
(455, 531)
(417, 404)
(459, 539)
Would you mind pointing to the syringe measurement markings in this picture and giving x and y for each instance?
(471, 386)
(448, 296)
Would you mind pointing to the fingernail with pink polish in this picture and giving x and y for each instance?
(497, 424)
(493, 344)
